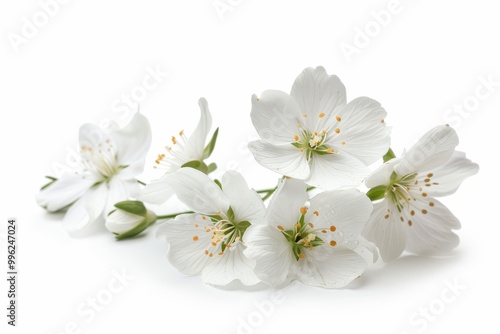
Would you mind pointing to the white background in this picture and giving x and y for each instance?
(428, 58)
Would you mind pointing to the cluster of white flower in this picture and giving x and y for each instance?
(312, 137)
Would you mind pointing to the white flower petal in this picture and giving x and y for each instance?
(386, 231)
(363, 133)
(275, 116)
(133, 141)
(85, 214)
(330, 267)
(318, 93)
(432, 232)
(447, 178)
(193, 148)
(247, 205)
(67, 189)
(272, 254)
(120, 190)
(367, 250)
(197, 191)
(188, 242)
(284, 207)
(232, 265)
(285, 159)
(434, 149)
(382, 175)
(336, 170)
(347, 210)
(157, 191)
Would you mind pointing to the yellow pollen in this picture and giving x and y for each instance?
(315, 133)
(280, 228)
(221, 253)
(430, 175)
(203, 217)
(323, 231)
(321, 115)
(412, 213)
(424, 194)
(410, 223)
(337, 130)
(311, 224)
(382, 121)
(427, 180)
(196, 225)
(431, 203)
(206, 252)
(301, 150)
(304, 115)
(329, 150)
(214, 244)
(299, 125)
(316, 213)
(181, 133)
(333, 228)
(303, 210)
(343, 143)
(297, 225)
(228, 246)
(402, 219)
(424, 211)
(333, 243)
(323, 132)
(301, 256)
(195, 238)
(386, 217)
(218, 213)
(338, 118)
(211, 254)
(174, 140)
(296, 138)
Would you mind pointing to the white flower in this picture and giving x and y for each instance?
(409, 217)
(211, 241)
(192, 149)
(315, 245)
(103, 174)
(313, 135)
(129, 219)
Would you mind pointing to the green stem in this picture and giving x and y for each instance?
(173, 215)
(265, 191)
(140, 182)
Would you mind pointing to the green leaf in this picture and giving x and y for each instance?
(212, 167)
(230, 214)
(297, 145)
(223, 246)
(217, 182)
(52, 180)
(389, 155)
(211, 145)
(135, 207)
(376, 193)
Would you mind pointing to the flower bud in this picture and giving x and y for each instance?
(129, 219)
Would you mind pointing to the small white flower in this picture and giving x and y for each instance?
(318, 245)
(211, 241)
(183, 149)
(409, 217)
(314, 135)
(129, 219)
(104, 174)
